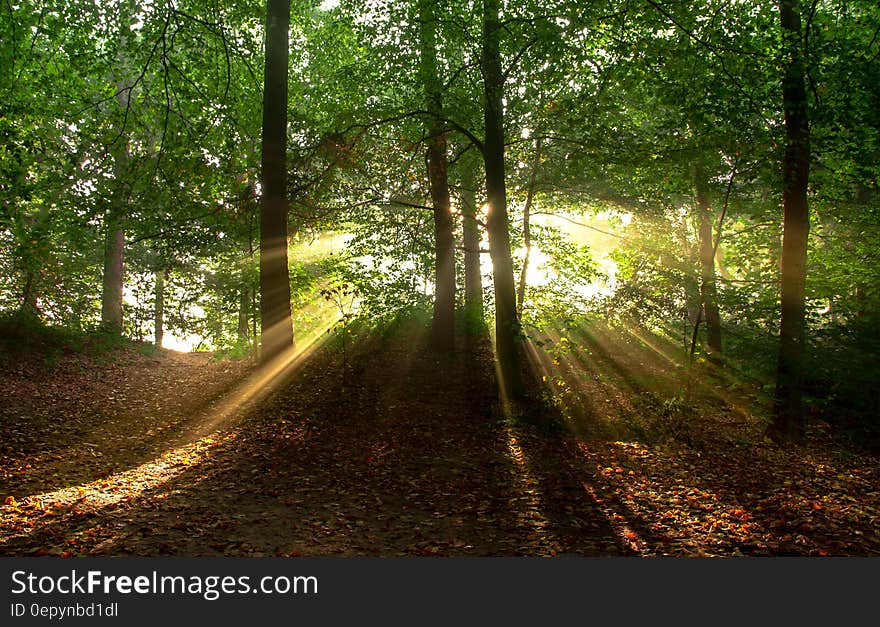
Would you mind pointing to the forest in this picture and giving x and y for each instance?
(440, 278)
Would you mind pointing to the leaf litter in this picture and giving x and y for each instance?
(409, 455)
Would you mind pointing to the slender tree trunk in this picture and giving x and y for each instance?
(114, 238)
(277, 327)
(28, 308)
(114, 243)
(708, 287)
(788, 418)
(244, 304)
(247, 309)
(32, 264)
(506, 322)
(443, 327)
(527, 233)
(864, 194)
(254, 310)
(159, 310)
(860, 301)
(112, 286)
(473, 276)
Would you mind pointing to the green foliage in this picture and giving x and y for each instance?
(842, 374)
(389, 261)
(656, 277)
(26, 334)
(147, 114)
(237, 349)
(567, 273)
(471, 321)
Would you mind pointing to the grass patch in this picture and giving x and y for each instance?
(21, 335)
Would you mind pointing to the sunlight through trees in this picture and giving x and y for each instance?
(624, 222)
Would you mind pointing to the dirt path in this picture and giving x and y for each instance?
(399, 461)
(171, 456)
(82, 419)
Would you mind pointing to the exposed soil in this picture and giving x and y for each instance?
(411, 454)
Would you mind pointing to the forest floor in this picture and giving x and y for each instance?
(160, 454)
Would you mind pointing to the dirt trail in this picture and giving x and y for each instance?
(398, 461)
(82, 419)
(408, 455)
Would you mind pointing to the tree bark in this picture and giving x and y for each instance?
(507, 330)
(443, 326)
(708, 286)
(112, 283)
(114, 243)
(244, 304)
(861, 298)
(28, 308)
(276, 323)
(473, 276)
(159, 310)
(788, 417)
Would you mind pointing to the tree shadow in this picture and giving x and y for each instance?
(412, 459)
(82, 436)
(680, 477)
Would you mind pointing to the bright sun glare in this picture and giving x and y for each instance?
(540, 271)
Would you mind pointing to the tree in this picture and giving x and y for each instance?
(444, 241)
(507, 329)
(277, 328)
(788, 411)
(473, 277)
(114, 243)
(708, 289)
(159, 309)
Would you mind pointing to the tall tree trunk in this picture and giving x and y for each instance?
(473, 276)
(507, 344)
(443, 327)
(788, 417)
(254, 309)
(277, 326)
(112, 284)
(708, 287)
(159, 310)
(114, 243)
(527, 233)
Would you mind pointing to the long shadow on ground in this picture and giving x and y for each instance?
(82, 420)
(409, 457)
(679, 465)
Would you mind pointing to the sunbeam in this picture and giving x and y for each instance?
(211, 431)
(527, 484)
(267, 378)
